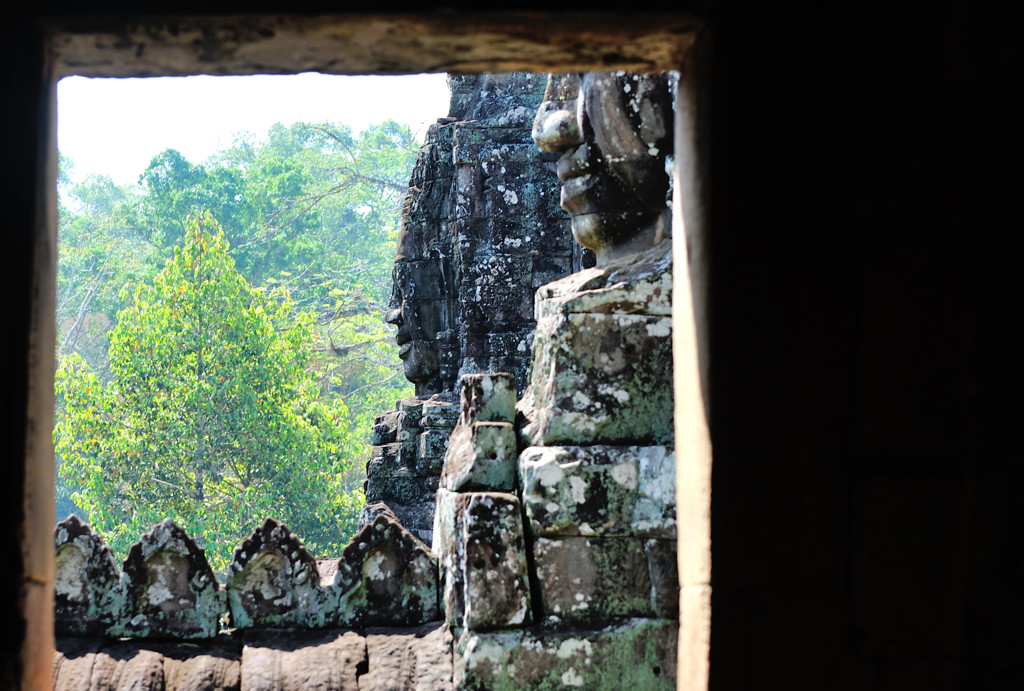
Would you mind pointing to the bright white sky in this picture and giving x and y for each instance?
(115, 126)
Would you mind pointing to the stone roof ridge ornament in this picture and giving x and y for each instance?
(88, 599)
(386, 577)
(170, 589)
(274, 582)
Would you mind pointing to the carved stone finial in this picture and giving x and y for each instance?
(386, 577)
(274, 582)
(171, 590)
(87, 595)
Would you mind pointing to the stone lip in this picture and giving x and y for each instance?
(638, 284)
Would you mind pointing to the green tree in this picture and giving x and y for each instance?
(211, 415)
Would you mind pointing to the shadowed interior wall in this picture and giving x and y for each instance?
(866, 332)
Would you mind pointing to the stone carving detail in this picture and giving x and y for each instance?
(481, 229)
(170, 589)
(386, 577)
(274, 582)
(614, 131)
(88, 598)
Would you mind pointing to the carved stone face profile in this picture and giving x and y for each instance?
(615, 132)
(420, 308)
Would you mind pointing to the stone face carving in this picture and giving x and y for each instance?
(614, 131)
(569, 583)
(481, 229)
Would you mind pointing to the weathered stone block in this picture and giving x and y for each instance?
(386, 577)
(489, 397)
(635, 654)
(663, 566)
(403, 487)
(600, 378)
(439, 413)
(385, 428)
(448, 547)
(497, 585)
(169, 587)
(391, 459)
(655, 512)
(599, 490)
(482, 556)
(579, 490)
(592, 580)
(432, 445)
(88, 599)
(322, 660)
(481, 456)
(417, 659)
(274, 582)
(640, 285)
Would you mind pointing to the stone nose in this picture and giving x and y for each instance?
(394, 317)
(555, 128)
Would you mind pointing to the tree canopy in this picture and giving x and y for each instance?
(221, 337)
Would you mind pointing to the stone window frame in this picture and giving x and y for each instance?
(446, 41)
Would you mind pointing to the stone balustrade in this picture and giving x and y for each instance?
(166, 589)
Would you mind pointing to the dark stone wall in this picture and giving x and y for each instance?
(866, 341)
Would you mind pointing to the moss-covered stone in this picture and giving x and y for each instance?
(635, 654)
(170, 589)
(579, 490)
(386, 577)
(592, 581)
(274, 582)
(481, 456)
(88, 598)
(482, 557)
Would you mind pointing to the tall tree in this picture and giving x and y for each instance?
(211, 415)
